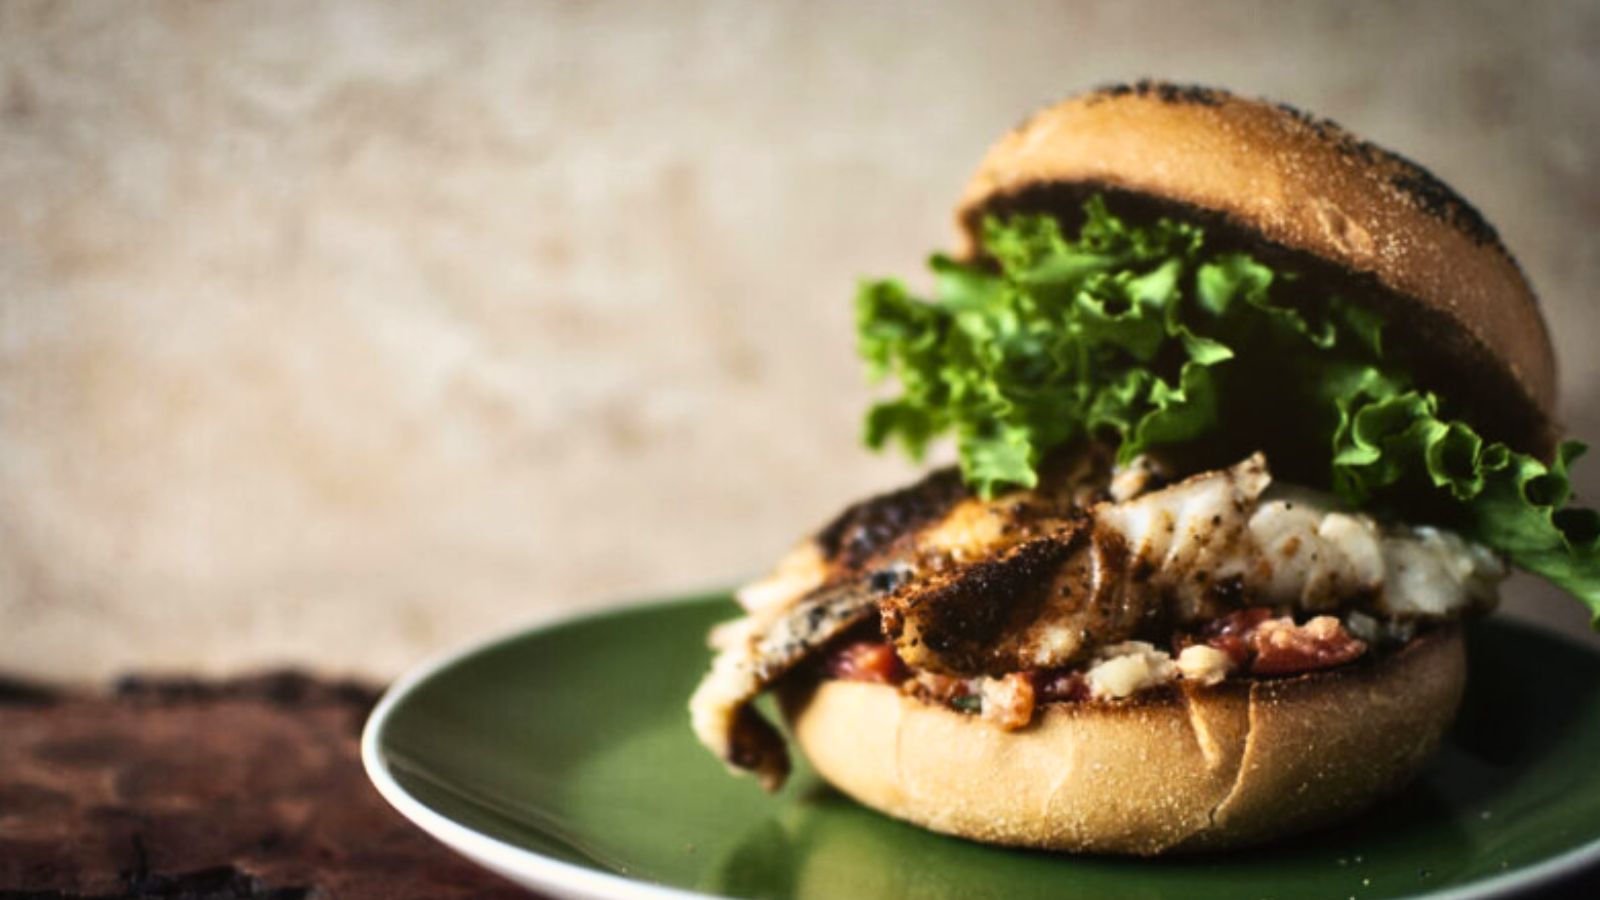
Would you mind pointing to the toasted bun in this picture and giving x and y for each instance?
(1203, 768)
(1257, 173)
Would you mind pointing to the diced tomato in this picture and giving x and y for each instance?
(1058, 686)
(1284, 648)
(1009, 701)
(1239, 623)
(872, 661)
(1263, 644)
(1237, 648)
(1232, 633)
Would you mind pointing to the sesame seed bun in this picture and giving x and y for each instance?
(1376, 226)
(1166, 771)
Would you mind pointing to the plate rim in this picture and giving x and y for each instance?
(518, 864)
(525, 866)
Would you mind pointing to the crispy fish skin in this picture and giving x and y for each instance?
(827, 586)
(1041, 603)
(837, 580)
(1142, 564)
(1098, 576)
(720, 709)
(869, 530)
(1042, 579)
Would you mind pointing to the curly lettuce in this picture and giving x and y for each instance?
(1145, 336)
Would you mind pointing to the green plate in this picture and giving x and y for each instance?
(561, 757)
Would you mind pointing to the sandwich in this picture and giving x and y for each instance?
(1249, 416)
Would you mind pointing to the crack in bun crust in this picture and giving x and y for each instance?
(1174, 770)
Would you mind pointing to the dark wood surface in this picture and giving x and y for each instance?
(181, 789)
(253, 788)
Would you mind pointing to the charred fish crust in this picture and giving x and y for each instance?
(1227, 593)
(865, 529)
(752, 660)
(820, 616)
(1143, 569)
(1108, 588)
(885, 580)
(962, 613)
(756, 746)
(1088, 578)
(1111, 550)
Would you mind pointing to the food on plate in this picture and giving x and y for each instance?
(1249, 415)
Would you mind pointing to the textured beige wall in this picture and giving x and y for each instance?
(340, 332)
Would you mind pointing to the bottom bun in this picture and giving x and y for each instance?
(1173, 770)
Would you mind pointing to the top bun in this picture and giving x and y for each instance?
(1283, 184)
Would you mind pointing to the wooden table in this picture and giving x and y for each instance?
(183, 789)
(212, 790)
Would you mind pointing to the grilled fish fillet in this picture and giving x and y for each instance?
(836, 580)
(1171, 558)
(823, 588)
(1041, 579)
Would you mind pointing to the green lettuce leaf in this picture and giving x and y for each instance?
(1144, 336)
